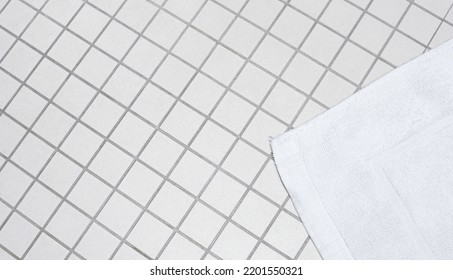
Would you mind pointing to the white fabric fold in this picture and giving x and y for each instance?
(372, 178)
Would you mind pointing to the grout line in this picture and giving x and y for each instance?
(71, 129)
(443, 20)
(183, 60)
(236, 140)
(392, 33)
(175, 102)
(326, 70)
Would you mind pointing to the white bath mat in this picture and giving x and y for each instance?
(372, 178)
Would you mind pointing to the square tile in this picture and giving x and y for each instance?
(234, 5)
(53, 125)
(62, 11)
(119, 214)
(223, 193)
(333, 89)
(42, 33)
(361, 3)
(103, 114)
(311, 7)
(165, 29)
(116, 39)
(379, 69)
(68, 50)
(89, 194)
(233, 112)
(153, 104)
(74, 96)
(244, 162)
(353, 62)
(213, 142)
(26, 106)
(269, 184)
(287, 234)
(253, 83)
(127, 253)
(140, 183)
(234, 243)
(223, 65)
(144, 57)
(6, 41)
(161, 153)
(193, 47)
(152, 242)
(171, 212)
(89, 22)
(290, 207)
(203, 93)
(440, 7)
(32, 154)
(261, 130)
(14, 182)
(262, 12)
(444, 34)
(182, 122)
(284, 102)
(292, 26)
(401, 49)
(9, 88)
(310, 252)
(192, 173)
(17, 234)
(255, 213)
(303, 73)
(109, 6)
(173, 75)
(137, 13)
(124, 85)
(184, 9)
(21, 60)
(341, 16)
(132, 133)
(371, 34)
(419, 24)
(322, 44)
(81, 136)
(39, 78)
(264, 252)
(242, 37)
(15, 16)
(12, 134)
(273, 55)
(180, 248)
(35, 3)
(213, 19)
(202, 217)
(38, 204)
(4, 212)
(95, 67)
(389, 10)
(60, 174)
(97, 244)
(45, 248)
(68, 224)
(110, 163)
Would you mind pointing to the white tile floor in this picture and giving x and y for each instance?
(139, 129)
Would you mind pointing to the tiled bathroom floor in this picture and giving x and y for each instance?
(140, 129)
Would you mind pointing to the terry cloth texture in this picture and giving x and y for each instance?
(372, 178)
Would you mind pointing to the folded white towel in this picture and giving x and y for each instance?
(372, 178)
